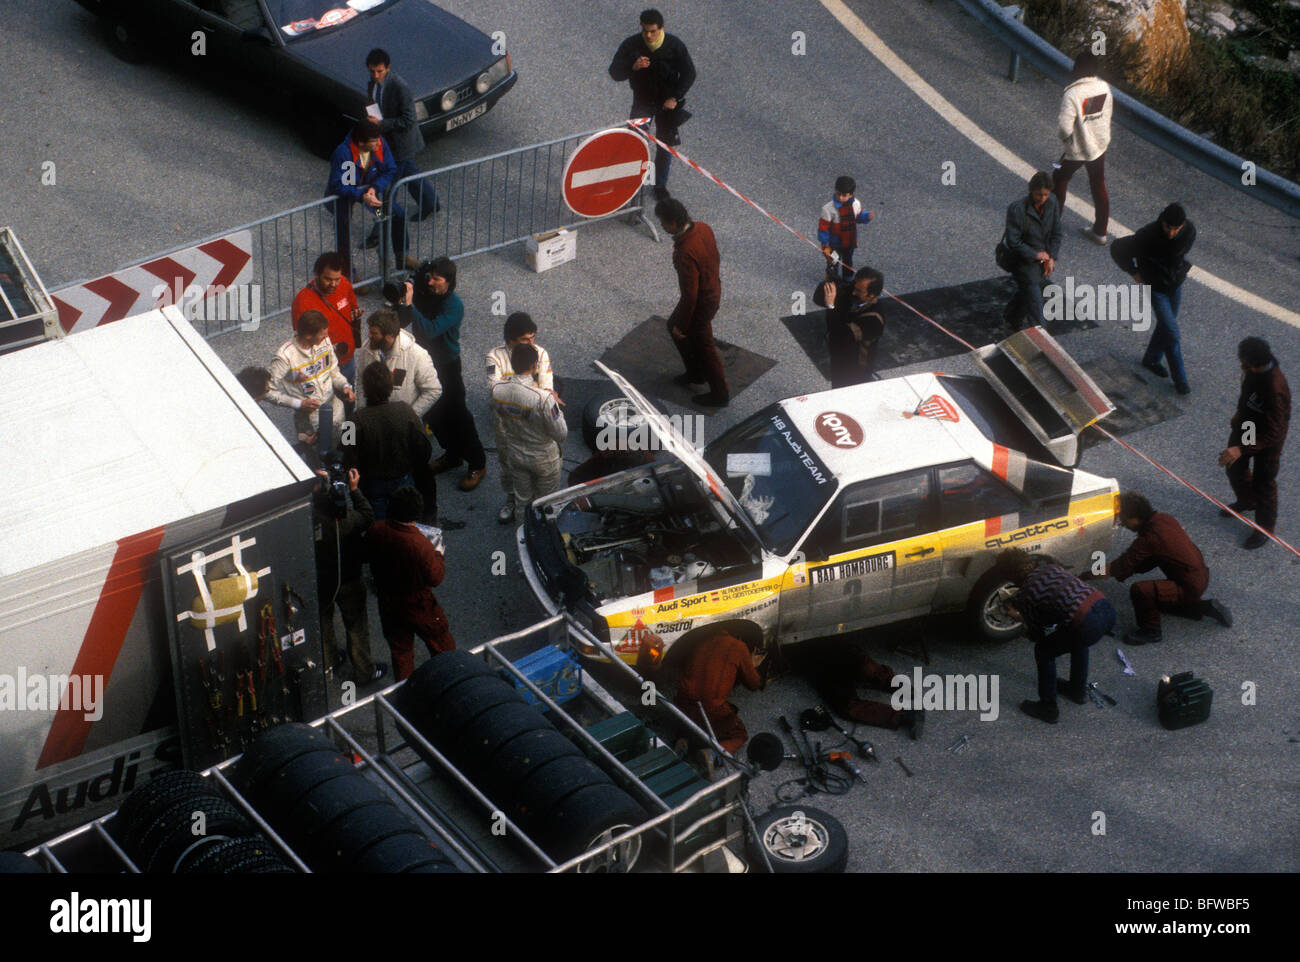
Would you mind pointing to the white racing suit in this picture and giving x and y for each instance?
(298, 374)
(530, 427)
(498, 369)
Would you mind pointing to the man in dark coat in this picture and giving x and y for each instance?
(1258, 432)
(695, 258)
(1157, 255)
(1032, 238)
(361, 171)
(400, 128)
(853, 327)
(388, 444)
(660, 71)
(407, 568)
(1162, 543)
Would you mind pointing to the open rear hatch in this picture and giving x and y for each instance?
(1056, 399)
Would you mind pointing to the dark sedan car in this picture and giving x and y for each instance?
(314, 51)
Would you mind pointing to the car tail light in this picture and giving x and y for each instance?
(448, 100)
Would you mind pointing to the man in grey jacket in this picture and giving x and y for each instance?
(392, 96)
(1033, 242)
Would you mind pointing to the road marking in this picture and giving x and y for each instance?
(981, 139)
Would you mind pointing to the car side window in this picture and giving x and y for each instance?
(243, 14)
(969, 493)
(874, 512)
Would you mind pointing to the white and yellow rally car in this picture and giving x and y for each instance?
(836, 511)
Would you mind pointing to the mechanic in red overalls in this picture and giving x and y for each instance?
(709, 672)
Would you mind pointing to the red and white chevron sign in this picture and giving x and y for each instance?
(211, 267)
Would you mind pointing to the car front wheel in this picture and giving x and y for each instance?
(987, 612)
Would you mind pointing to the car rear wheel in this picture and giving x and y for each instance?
(987, 612)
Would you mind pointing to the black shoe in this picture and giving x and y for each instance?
(1074, 693)
(1143, 636)
(381, 669)
(685, 380)
(914, 721)
(1237, 506)
(1156, 368)
(1218, 611)
(1183, 388)
(371, 241)
(1257, 539)
(712, 399)
(1041, 710)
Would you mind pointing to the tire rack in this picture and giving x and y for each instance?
(91, 847)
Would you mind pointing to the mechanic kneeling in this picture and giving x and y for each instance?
(836, 674)
(709, 673)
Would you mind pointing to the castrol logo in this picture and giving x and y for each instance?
(839, 429)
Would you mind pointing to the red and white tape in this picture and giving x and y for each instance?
(641, 125)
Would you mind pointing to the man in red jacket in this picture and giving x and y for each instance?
(1258, 432)
(1162, 543)
(695, 258)
(331, 293)
(407, 568)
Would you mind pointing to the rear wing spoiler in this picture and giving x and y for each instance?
(1052, 394)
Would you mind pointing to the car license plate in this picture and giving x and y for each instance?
(466, 117)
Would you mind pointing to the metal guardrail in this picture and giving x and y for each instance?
(497, 201)
(1223, 165)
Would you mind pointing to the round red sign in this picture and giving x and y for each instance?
(605, 172)
(838, 429)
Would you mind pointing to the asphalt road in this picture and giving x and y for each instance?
(148, 157)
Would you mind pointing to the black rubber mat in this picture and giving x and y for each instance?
(646, 357)
(1141, 399)
(972, 311)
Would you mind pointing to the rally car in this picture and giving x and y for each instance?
(836, 511)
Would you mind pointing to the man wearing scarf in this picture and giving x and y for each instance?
(361, 171)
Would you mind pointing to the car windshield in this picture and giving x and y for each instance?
(774, 475)
(297, 18)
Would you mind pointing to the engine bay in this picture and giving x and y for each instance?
(647, 529)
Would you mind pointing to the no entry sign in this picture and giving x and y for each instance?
(605, 172)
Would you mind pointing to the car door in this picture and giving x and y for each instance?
(238, 34)
(974, 506)
(874, 557)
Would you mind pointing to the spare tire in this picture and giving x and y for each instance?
(237, 856)
(800, 840)
(542, 792)
(518, 758)
(608, 407)
(402, 853)
(350, 837)
(491, 730)
(272, 750)
(280, 793)
(460, 706)
(578, 821)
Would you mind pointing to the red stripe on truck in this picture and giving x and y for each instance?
(132, 564)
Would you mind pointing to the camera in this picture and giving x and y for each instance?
(395, 291)
(336, 487)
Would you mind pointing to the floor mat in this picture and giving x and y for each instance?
(1141, 399)
(646, 357)
(971, 311)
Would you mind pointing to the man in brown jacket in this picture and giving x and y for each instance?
(1258, 432)
(695, 258)
(1162, 543)
(407, 568)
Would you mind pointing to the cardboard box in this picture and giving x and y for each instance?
(544, 251)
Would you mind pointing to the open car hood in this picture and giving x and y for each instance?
(1046, 387)
(672, 441)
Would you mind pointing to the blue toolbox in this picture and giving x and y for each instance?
(553, 671)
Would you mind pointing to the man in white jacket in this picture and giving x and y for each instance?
(530, 428)
(519, 328)
(1083, 124)
(305, 376)
(415, 380)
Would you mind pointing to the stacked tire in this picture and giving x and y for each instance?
(515, 755)
(330, 814)
(181, 823)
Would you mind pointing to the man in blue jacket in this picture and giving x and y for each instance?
(1032, 242)
(361, 171)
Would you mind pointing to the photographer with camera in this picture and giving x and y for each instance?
(428, 304)
(389, 445)
(340, 552)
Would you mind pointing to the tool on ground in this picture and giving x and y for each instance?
(766, 751)
(960, 745)
(1183, 700)
(845, 761)
(899, 759)
(818, 776)
(819, 719)
(1128, 669)
(1096, 694)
